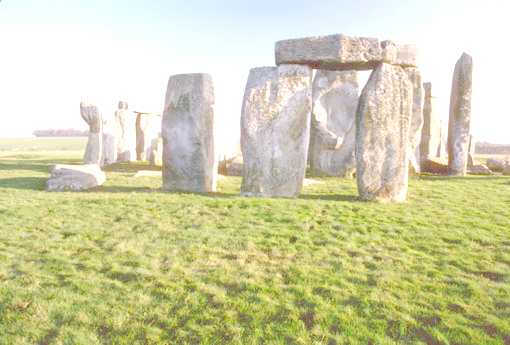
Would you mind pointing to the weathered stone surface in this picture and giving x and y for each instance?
(275, 130)
(125, 133)
(109, 141)
(496, 164)
(479, 169)
(75, 177)
(156, 152)
(382, 135)
(416, 120)
(471, 151)
(431, 143)
(94, 150)
(435, 165)
(333, 130)
(506, 169)
(147, 129)
(459, 126)
(340, 52)
(189, 162)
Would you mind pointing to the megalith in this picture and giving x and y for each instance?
(94, 150)
(109, 140)
(342, 53)
(471, 151)
(430, 146)
(333, 130)
(382, 135)
(275, 130)
(75, 177)
(459, 126)
(189, 162)
(147, 129)
(416, 124)
(125, 133)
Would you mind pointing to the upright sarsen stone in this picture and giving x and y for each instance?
(382, 135)
(275, 129)
(147, 129)
(125, 133)
(333, 130)
(459, 126)
(430, 146)
(416, 125)
(109, 141)
(94, 150)
(187, 129)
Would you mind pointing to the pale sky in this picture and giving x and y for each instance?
(56, 52)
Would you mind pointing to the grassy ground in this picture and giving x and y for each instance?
(129, 264)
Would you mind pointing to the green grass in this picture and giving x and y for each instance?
(129, 264)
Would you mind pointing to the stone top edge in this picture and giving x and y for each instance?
(382, 42)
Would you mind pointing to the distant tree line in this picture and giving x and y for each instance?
(60, 133)
(492, 149)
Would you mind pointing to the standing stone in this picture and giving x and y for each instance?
(125, 133)
(382, 135)
(333, 130)
(93, 152)
(275, 130)
(416, 119)
(156, 152)
(459, 127)
(147, 125)
(109, 141)
(430, 146)
(189, 162)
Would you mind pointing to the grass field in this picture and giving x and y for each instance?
(129, 264)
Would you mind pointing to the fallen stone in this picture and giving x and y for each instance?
(75, 177)
(333, 130)
(459, 126)
(496, 164)
(189, 162)
(94, 150)
(342, 53)
(479, 169)
(435, 165)
(231, 167)
(275, 130)
(125, 133)
(382, 136)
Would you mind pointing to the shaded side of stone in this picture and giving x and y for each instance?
(275, 130)
(382, 135)
(459, 126)
(188, 134)
(333, 130)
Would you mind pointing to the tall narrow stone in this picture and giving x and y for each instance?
(382, 135)
(109, 140)
(459, 126)
(147, 129)
(416, 124)
(275, 130)
(189, 162)
(94, 150)
(125, 133)
(333, 130)
(430, 146)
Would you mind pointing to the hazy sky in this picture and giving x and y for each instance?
(53, 53)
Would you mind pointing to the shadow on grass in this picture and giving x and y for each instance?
(26, 183)
(132, 167)
(459, 178)
(331, 197)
